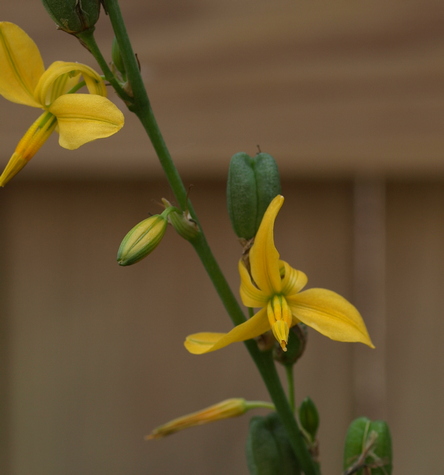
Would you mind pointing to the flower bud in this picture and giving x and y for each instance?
(182, 222)
(368, 448)
(309, 417)
(73, 16)
(223, 410)
(141, 240)
(252, 184)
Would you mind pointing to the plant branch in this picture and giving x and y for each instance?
(142, 108)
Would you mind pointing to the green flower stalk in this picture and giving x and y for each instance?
(135, 97)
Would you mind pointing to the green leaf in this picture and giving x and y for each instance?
(268, 449)
(368, 448)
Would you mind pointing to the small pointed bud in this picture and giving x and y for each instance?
(117, 58)
(297, 341)
(223, 410)
(182, 222)
(253, 182)
(368, 448)
(73, 16)
(309, 417)
(141, 240)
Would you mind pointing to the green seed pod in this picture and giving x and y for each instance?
(368, 448)
(268, 449)
(267, 181)
(309, 417)
(73, 16)
(142, 239)
(252, 184)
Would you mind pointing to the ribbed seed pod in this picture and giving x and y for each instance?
(252, 183)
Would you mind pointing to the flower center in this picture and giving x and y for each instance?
(279, 316)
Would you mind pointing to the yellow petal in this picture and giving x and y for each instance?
(82, 118)
(264, 257)
(293, 281)
(280, 331)
(200, 343)
(251, 296)
(21, 65)
(28, 146)
(61, 76)
(330, 314)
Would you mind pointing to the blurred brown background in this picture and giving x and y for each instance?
(349, 98)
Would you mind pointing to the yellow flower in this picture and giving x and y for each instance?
(79, 118)
(275, 287)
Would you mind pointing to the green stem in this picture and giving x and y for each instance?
(142, 108)
(263, 360)
(87, 39)
(259, 404)
(290, 385)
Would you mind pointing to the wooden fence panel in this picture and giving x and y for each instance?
(93, 356)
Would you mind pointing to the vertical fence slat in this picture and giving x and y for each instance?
(369, 296)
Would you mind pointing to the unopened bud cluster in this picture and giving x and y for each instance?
(73, 16)
(145, 236)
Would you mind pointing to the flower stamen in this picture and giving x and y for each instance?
(280, 318)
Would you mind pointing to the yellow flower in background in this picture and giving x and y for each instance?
(276, 288)
(78, 118)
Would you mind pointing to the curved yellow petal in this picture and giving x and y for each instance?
(251, 296)
(200, 343)
(330, 314)
(28, 146)
(83, 118)
(264, 257)
(293, 280)
(21, 65)
(61, 76)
